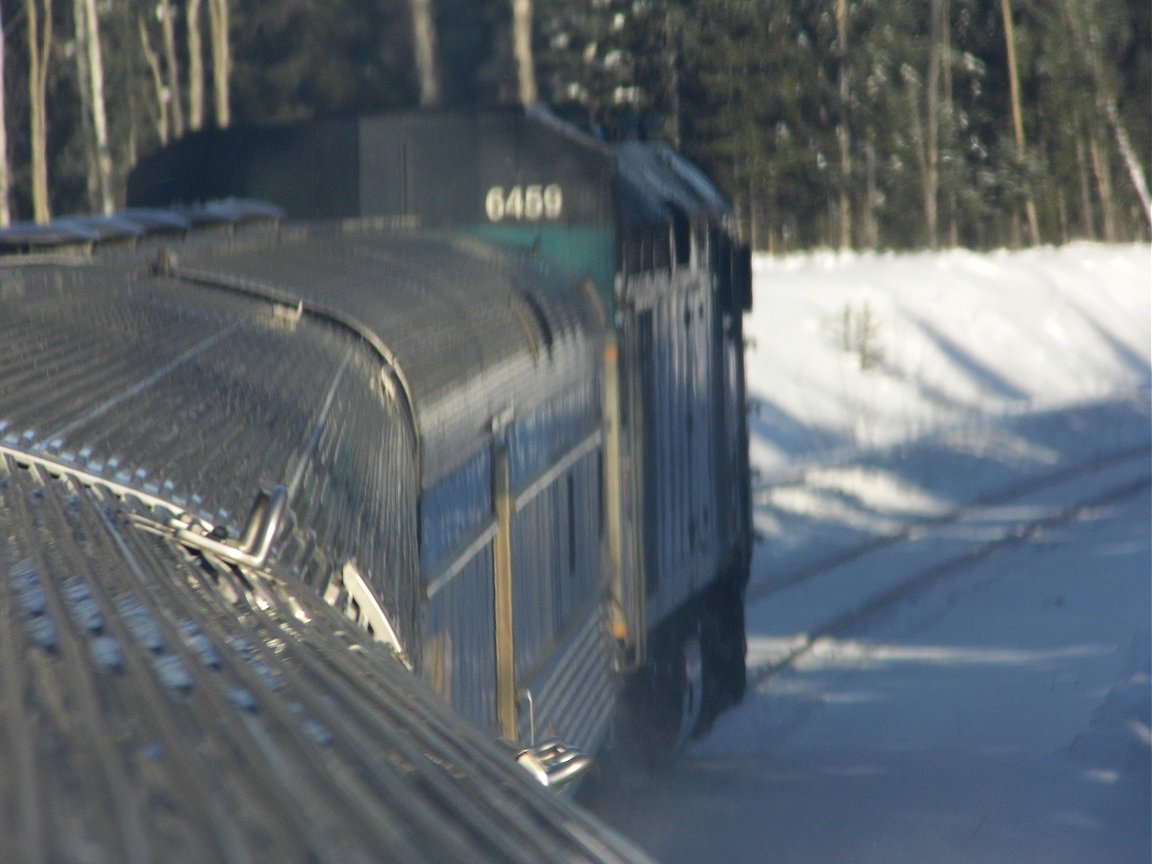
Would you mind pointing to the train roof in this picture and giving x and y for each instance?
(461, 331)
(169, 693)
(161, 704)
(473, 332)
(138, 377)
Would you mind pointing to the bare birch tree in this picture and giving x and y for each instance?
(88, 137)
(424, 47)
(932, 133)
(522, 50)
(949, 110)
(92, 84)
(1128, 154)
(163, 128)
(1018, 116)
(219, 23)
(843, 135)
(5, 165)
(172, 67)
(195, 65)
(39, 56)
(1086, 38)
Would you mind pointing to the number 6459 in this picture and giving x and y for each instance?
(524, 203)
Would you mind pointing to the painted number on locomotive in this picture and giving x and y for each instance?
(524, 203)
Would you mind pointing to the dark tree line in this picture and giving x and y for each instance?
(852, 123)
(869, 123)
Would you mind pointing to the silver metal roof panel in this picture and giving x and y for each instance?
(476, 332)
(159, 705)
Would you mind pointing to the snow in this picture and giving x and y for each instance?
(950, 606)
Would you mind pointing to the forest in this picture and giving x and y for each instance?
(870, 124)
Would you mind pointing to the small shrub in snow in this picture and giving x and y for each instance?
(858, 332)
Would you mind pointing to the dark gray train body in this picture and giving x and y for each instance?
(658, 243)
(180, 681)
(496, 366)
(485, 385)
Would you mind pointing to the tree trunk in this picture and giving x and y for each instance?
(195, 66)
(424, 47)
(88, 137)
(1086, 38)
(1062, 212)
(843, 135)
(522, 49)
(163, 130)
(1131, 161)
(871, 226)
(96, 102)
(949, 117)
(1087, 218)
(172, 65)
(919, 147)
(218, 15)
(1103, 173)
(1018, 117)
(39, 54)
(5, 165)
(932, 132)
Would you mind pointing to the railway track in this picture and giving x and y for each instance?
(865, 580)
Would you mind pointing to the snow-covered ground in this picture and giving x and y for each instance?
(951, 598)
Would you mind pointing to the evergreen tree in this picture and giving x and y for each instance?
(296, 59)
(608, 64)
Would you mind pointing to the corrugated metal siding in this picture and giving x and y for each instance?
(671, 353)
(556, 543)
(572, 695)
(562, 650)
(460, 642)
(453, 510)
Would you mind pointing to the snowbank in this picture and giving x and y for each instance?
(864, 350)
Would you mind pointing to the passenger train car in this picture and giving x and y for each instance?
(341, 416)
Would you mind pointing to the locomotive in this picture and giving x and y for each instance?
(470, 384)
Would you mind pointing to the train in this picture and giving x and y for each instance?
(355, 467)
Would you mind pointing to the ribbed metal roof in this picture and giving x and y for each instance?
(202, 394)
(159, 705)
(474, 331)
